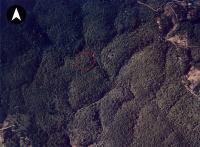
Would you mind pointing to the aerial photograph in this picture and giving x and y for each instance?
(99, 73)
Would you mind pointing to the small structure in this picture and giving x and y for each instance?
(176, 12)
(11, 125)
(7, 124)
(180, 41)
(192, 81)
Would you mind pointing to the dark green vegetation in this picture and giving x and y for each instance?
(132, 97)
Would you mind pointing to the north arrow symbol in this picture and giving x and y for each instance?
(16, 15)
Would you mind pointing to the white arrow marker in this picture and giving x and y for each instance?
(16, 15)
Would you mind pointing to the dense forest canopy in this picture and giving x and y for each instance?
(131, 94)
